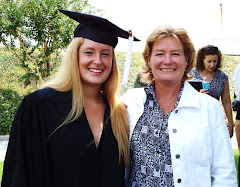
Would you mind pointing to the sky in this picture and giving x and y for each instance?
(201, 19)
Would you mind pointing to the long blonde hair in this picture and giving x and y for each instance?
(167, 31)
(69, 78)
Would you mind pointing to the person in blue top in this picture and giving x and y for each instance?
(209, 62)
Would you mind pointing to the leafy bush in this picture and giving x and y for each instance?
(9, 103)
(136, 64)
(138, 83)
(12, 89)
(11, 74)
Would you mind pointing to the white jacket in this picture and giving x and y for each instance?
(197, 133)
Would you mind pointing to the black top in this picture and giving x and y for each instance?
(196, 84)
(69, 158)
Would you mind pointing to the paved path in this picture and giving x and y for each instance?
(3, 146)
(4, 142)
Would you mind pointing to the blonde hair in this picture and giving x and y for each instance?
(167, 31)
(69, 78)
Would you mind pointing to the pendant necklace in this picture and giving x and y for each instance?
(101, 116)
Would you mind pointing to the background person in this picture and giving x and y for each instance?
(178, 136)
(236, 80)
(209, 62)
(73, 132)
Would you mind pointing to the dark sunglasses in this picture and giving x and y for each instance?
(207, 48)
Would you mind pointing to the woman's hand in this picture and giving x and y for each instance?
(204, 91)
(230, 130)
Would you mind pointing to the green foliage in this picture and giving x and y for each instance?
(11, 73)
(9, 103)
(12, 89)
(1, 171)
(229, 64)
(236, 156)
(136, 64)
(8, 63)
(33, 30)
(138, 83)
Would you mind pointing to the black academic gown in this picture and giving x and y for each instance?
(69, 158)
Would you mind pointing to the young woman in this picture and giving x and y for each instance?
(74, 131)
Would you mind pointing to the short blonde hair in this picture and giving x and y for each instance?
(167, 31)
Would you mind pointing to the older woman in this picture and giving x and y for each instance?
(74, 132)
(209, 62)
(178, 136)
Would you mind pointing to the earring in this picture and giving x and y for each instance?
(185, 72)
(150, 71)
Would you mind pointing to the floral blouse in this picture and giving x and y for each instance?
(151, 163)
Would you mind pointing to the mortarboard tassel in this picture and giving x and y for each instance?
(128, 59)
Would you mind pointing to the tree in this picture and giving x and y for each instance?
(34, 30)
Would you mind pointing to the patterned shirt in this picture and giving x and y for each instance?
(217, 84)
(151, 163)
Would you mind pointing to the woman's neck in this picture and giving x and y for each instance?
(167, 95)
(94, 107)
(208, 74)
(167, 91)
(91, 92)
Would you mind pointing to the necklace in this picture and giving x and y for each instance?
(101, 117)
(101, 110)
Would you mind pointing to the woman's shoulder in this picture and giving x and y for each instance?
(222, 74)
(48, 95)
(195, 72)
(134, 91)
(208, 102)
(134, 94)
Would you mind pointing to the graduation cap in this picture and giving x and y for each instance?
(96, 28)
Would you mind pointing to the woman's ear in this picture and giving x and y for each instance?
(149, 63)
(186, 62)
